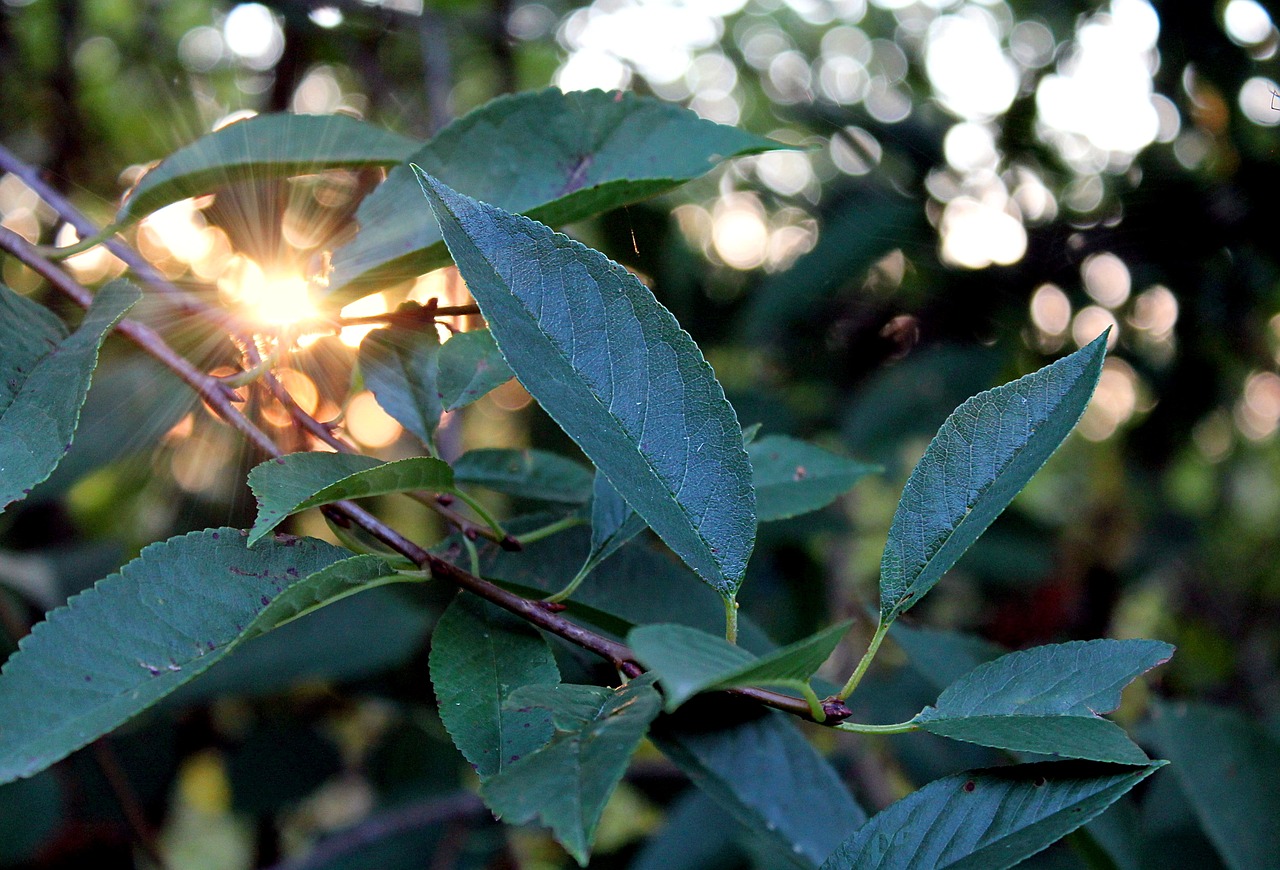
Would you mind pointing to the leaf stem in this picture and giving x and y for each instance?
(550, 529)
(882, 628)
(56, 253)
(731, 621)
(815, 704)
(898, 728)
(484, 515)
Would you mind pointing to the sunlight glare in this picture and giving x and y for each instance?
(369, 306)
(278, 299)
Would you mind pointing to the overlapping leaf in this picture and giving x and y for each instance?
(982, 457)
(557, 157)
(266, 146)
(400, 366)
(480, 655)
(794, 477)
(183, 604)
(688, 661)
(1047, 699)
(44, 377)
(300, 481)
(986, 819)
(614, 369)
(613, 523)
(534, 474)
(470, 366)
(566, 783)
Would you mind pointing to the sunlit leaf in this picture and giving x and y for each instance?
(1227, 766)
(618, 374)
(299, 481)
(793, 477)
(266, 146)
(982, 457)
(566, 783)
(400, 367)
(470, 366)
(44, 378)
(183, 604)
(533, 474)
(558, 157)
(1047, 699)
(986, 819)
(480, 655)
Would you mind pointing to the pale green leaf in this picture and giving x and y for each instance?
(688, 661)
(558, 157)
(534, 474)
(262, 147)
(470, 366)
(480, 654)
(793, 477)
(400, 367)
(137, 635)
(982, 457)
(299, 481)
(565, 784)
(1047, 699)
(986, 819)
(615, 370)
(44, 378)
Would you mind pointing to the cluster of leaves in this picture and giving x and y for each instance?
(613, 368)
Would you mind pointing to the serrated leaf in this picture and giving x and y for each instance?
(768, 776)
(137, 635)
(565, 784)
(615, 370)
(982, 457)
(299, 481)
(470, 366)
(793, 477)
(613, 523)
(986, 819)
(265, 146)
(1047, 699)
(534, 474)
(557, 157)
(688, 661)
(480, 654)
(1227, 767)
(44, 378)
(400, 367)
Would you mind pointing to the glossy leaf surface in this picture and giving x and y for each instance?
(615, 370)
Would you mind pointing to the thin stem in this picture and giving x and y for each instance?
(393, 316)
(882, 628)
(570, 587)
(731, 620)
(56, 253)
(550, 529)
(815, 705)
(484, 515)
(898, 728)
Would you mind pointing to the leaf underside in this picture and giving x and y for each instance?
(470, 366)
(400, 367)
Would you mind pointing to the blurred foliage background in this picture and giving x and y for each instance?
(983, 186)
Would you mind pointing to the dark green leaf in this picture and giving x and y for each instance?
(793, 477)
(768, 776)
(565, 784)
(986, 819)
(982, 457)
(183, 604)
(44, 378)
(688, 661)
(698, 835)
(31, 810)
(942, 657)
(533, 474)
(1227, 765)
(470, 366)
(267, 146)
(480, 654)
(399, 365)
(299, 481)
(619, 375)
(613, 523)
(557, 157)
(1047, 699)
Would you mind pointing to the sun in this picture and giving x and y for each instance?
(270, 299)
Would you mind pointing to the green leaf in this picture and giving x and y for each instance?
(982, 457)
(480, 654)
(1047, 699)
(793, 477)
(533, 474)
(565, 784)
(1227, 766)
(557, 157)
(613, 523)
(615, 370)
(986, 819)
(688, 661)
(266, 146)
(399, 366)
(44, 378)
(470, 366)
(137, 635)
(942, 657)
(764, 772)
(293, 483)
